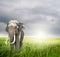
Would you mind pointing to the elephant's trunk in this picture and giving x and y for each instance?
(13, 40)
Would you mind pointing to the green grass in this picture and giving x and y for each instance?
(32, 48)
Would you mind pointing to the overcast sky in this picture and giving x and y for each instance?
(37, 15)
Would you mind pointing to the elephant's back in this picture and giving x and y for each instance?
(13, 21)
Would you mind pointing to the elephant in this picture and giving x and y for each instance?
(16, 33)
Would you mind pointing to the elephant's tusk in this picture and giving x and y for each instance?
(13, 40)
(6, 41)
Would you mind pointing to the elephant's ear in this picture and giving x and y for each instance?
(7, 27)
(20, 25)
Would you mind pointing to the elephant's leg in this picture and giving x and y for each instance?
(12, 46)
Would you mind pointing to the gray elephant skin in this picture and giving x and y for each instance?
(16, 34)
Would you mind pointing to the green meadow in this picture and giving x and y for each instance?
(32, 47)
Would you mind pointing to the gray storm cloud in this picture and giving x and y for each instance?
(35, 14)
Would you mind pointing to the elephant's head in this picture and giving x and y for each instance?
(13, 28)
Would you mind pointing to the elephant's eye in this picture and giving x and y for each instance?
(16, 27)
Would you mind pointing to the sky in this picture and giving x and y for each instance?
(37, 15)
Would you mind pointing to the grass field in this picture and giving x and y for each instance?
(32, 48)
